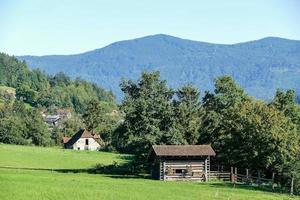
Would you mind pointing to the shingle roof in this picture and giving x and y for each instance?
(86, 134)
(183, 150)
(82, 133)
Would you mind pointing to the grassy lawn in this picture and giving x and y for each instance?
(19, 182)
(17, 156)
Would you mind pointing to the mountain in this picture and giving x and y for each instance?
(259, 66)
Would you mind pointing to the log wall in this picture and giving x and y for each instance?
(184, 169)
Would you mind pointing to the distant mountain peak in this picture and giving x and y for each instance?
(256, 65)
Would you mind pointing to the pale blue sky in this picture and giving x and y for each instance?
(39, 27)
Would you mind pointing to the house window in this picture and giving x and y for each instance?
(179, 171)
(86, 141)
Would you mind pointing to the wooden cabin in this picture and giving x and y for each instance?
(181, 162)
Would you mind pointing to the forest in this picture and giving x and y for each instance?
(244, 131)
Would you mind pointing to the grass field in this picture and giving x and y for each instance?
(29, 173)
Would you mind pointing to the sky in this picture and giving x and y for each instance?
(43, 27)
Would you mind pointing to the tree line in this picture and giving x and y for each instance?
(245, 132)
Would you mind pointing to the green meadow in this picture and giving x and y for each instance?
(33, 173)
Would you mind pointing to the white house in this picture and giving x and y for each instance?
(83, 140)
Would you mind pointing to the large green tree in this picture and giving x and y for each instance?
(286, 103)
(188, 112)
(93, 115)
(19, 125)
(149, 114)
(246, 132)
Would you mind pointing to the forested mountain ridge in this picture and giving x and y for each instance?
(259, 66)
(41, 90)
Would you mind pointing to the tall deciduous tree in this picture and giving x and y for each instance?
(37, 130)
(286, 102)
(149, 114)
(93, 115)
(246, 132)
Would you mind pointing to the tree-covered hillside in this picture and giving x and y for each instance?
(40, 90)
(259, 66)
(28, 96)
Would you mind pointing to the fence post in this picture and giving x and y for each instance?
(218, 176)
(164, 168)
(258, 179)
(236, 174)
(273, 182)
(231, 174)
(205, 168)
(247, 176)
(292, 186)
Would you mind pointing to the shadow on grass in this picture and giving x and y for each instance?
(263, 188)
(131, 168)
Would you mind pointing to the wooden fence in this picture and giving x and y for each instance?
(235, 177)
(219, 175)
(256, 178)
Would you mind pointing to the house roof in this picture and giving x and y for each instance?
(66, 139)
(97, 136)
(183, 150)
(86, 134)
(82, 133)
(51, 118)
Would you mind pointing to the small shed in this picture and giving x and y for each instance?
(181, 162)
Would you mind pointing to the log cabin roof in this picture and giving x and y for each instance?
(183, 150)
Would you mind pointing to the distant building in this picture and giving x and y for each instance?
(9, 94)
(83, 140)
(181, 162)
(52, 120)
(65, 113)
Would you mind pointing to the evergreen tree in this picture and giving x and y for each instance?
(188, 113)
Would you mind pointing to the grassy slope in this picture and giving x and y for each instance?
(43, 184)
